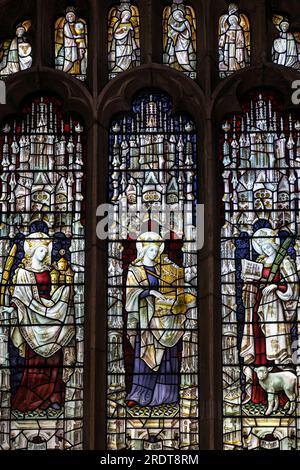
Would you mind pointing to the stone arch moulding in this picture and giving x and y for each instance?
(74, 94)
(228, 93)
(117, 94)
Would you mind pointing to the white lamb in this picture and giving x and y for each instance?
(276, 382)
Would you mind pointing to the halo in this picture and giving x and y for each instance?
(279, 19)
(36, 239)
(148, 239)
(263, 236)
(71, 9)
(25, 25)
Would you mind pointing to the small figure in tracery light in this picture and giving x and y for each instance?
(286, 48)
(179, 32)
(234, 41)
(16, 53)
(71, 44)
(123, 38)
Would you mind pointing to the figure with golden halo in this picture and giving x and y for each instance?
(124, 42)
(270, 298)
(71, 44)
(156, 305)
(42, 317)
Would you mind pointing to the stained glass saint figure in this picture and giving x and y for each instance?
(179, 36)
(152, 313)
(42, 278)
(16, 53)
(156, 308)
(260, 274)
(234, 41)
(42, 315)
(123, 38)
(71, 44)
(270, 297)
(286, 48)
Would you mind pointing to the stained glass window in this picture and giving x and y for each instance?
(16, 53)
(260, 151)
(179, 38)
(152, 400)
(286, 48)
(71, 44)
(123, 38)
(42, 278)
(234, 41)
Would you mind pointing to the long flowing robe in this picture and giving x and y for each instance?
(234, 49)
(71, 39)
(124, 47)
(157, 332)
(46, 325)
(42, 383)
(16, 57)
(180, 44)
(285, 50)
(154, 387)
(268, 322)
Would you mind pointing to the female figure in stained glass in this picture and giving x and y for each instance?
(42, 330)
(155, 324)
(179, 48)
(270, 297)
(16, 54)
(124, 47)
(234, 41)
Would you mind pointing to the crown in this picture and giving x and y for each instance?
(71, 9)
(150, 238)
(36, 239)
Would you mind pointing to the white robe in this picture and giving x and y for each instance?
(17, 57)
(46, 325)
(180, 44)
(276, 312)
(285, 50)
(124, 47)
(157, 332)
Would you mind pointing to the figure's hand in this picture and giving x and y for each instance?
(158, 295)
(267, 290)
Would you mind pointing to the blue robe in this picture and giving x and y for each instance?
(151, 387)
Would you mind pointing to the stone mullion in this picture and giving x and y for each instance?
(93, 429)
(209, 301)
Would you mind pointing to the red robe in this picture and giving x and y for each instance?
(41, 385)
(258, 393)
